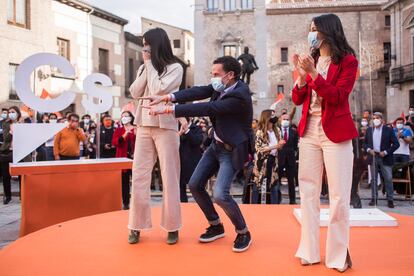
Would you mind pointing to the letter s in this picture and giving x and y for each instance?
(89, 85)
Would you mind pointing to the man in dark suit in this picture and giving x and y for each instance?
(380, 144)
(231, 112)
(286, 156)
(190, 155)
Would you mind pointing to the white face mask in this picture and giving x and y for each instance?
(377, 122)
(25, 115)
(86, 121)
(400, 126)
(52, 121)
(285, 123)
(411, 113)
(4, 115)
(364, 123)
(13, 116)
(126, 120)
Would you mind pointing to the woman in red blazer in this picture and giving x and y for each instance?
(326, 78)
(124, 141)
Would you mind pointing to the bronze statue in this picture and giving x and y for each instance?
(248, 65)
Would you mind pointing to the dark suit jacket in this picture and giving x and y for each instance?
(389, 143)
(190, 151)
(286, 155)
(230, 114)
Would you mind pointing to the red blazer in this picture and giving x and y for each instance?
(336, 115)
(121, 144)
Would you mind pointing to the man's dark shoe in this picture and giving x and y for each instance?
(172, 238)
(242, 242)
(6, 200)
(133, 237)
(390, 204)
(214, 232)
(373, 203)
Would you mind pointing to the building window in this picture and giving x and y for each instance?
(103, 61)
(411, 93)
(177, 43)
(246, 4)
(412, 49)
(284, 55)
(63, 48)
(387, 21)
(12, 77)
(230, 50)
(229, 5)
(280, 89)
(18, 13)
(212, 5)
(387, 53)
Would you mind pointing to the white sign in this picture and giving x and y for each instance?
(40, 133)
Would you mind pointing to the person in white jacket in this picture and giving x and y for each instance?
(161, 74)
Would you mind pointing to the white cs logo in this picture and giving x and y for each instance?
(40, 133)
(27, 96)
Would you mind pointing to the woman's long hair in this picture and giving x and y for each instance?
(330, 26)
(263, 125)
(161, 51)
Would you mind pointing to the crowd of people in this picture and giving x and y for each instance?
(219, 139)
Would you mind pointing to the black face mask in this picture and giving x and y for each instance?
(273, 120)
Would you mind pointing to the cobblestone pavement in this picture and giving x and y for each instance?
(10, 214)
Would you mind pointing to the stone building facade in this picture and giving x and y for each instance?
(400, 91)
(275, 30)
(93, 40)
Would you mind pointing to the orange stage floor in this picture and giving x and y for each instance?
(97, 245)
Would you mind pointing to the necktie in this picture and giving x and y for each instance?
(285, 135)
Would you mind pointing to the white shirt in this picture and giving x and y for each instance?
(404, 146)
(272, 141)
(225, 91)
(376, 138)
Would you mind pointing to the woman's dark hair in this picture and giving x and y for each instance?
(330, 26)
(73, 115)
(161, 51)
(230, 64)
(19, 113)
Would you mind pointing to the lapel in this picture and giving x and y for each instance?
(383, 138)
(332, 72)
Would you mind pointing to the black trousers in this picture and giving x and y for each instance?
(290, 169)
(63, 157)
(5, 165)
(126, 175)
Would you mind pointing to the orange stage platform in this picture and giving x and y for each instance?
(97, 245)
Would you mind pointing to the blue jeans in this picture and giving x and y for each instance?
(216, 158)
(386, 173)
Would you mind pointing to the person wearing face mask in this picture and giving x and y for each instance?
(380, 144)
(157, 136)
(66, 144)
(326, 78)
(268, 142)
(3, 117)
(410, 119)
(405, 137)
(231, 112)
(124, 142)
(190, 155)
(6, 151)
(49, 156)
(108, 150)
(287, 155)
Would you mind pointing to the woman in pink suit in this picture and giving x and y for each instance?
(326, 79)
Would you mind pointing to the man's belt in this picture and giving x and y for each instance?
(224, 145)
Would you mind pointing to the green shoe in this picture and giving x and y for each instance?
(172, 238)
(133, 237)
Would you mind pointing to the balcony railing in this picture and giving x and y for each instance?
(402, 74)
